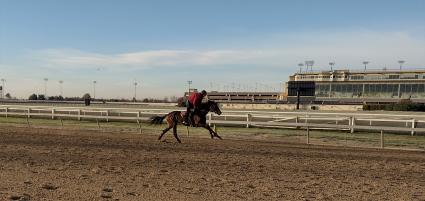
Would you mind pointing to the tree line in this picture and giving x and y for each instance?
(172, 99)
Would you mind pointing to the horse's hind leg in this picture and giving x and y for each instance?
(163, 132)
(212, 133)
(175, 134)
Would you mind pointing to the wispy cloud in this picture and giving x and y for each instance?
(72, 58)
(348, 49)
(270, 59)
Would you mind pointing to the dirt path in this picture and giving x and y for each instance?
(47, 164)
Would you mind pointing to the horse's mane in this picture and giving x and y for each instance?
(206, 105)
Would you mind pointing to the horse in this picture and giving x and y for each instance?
(199, 119)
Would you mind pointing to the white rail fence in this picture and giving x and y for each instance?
(413, 124)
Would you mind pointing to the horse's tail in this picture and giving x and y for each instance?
(157, 119)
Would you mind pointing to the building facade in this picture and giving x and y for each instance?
(372, 85)
(244, 97)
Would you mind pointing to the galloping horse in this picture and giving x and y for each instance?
(199, 119)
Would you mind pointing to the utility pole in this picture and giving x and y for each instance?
(3, 88)
(94, 89)
(189, 82)
(45, 87)
(60, 87)
(135, 90)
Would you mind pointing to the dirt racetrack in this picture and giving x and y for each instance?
(49, 164)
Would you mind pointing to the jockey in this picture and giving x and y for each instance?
(193, 102)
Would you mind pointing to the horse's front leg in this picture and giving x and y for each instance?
(175, 133)
(164, 131)
(212, 133)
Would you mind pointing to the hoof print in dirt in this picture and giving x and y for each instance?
(105, 196)
(50, 187)
(132, 194)
(24, 197)
(107, 189)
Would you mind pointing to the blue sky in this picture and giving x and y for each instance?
(217, 44)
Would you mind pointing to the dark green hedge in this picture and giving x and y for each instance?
(396, 107)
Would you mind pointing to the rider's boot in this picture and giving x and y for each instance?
(186, 120)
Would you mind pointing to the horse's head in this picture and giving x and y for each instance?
(213, 107)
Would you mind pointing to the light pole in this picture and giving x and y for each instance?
(135, 90)
(94, 89)
(309, 63)
(45, 87)
(60, 87)
(189, 82)
(365, 64)
(2, 85)
(331, 64)
(301, 66)
(401, 62)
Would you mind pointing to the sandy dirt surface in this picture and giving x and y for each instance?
(49, 164)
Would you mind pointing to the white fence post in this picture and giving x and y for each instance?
(308, 135)
(53, 113)
(413, 127)
(79, 115)
(248, 119)
(382, 139)
(297, 121)
(98, 124)
(6, 110)
(140, 126)
(29, 112)
(210, 118)
(353, 123)
(107, 115)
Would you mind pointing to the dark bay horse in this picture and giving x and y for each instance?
(199, 119)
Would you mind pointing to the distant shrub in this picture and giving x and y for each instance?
(181, 102)
(33, 97)
(395, 107)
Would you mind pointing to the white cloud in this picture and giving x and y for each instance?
(347, 48)
(270, 58)
(70, 58)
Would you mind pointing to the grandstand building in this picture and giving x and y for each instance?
(366, 86)
(243, 97)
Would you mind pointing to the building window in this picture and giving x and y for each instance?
(394, 77)
(357, 77)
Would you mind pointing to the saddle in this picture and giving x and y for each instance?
(190, 118)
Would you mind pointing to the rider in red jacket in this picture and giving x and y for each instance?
(193, 103)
